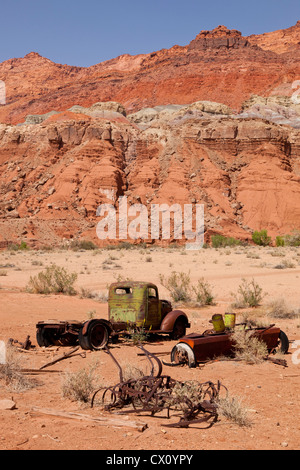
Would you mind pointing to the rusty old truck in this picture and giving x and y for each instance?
(132, 306)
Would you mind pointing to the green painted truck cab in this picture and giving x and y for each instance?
(136, 304)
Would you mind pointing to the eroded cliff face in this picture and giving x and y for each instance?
(219, 65)
(54, 175)
(215, 122)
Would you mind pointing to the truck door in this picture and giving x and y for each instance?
(154, 313)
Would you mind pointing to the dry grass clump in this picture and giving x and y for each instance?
(278, 308)
(247, 347)
(249, 294)
(203, 292)
(179, 286)
(53, 280)
(131, 372)
(257, 319)
(232, 408)
(185, 393)
(79, 385)
(11, 371)
(192, 392)
(181, 290)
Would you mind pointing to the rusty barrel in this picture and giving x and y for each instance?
(229, 320)
(218, 323)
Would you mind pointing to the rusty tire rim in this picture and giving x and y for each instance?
(182, 353)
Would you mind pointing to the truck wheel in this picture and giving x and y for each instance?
(283, 343)
(44, 337)
(183, 354)
(96, 337)
(179, 329)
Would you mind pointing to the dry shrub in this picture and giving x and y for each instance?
(131, 372)
(11, 371)
(203, 291)
(247, 347)
(185, 393)
(249, 294)
(256, 320)
(278, 308)
(53, 280)
(179, 286)
(181, 290)
(79, 385)
(232, 408)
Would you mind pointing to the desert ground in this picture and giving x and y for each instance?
(269, 392)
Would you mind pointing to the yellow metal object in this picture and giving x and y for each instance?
(218, 323)
(229, 320)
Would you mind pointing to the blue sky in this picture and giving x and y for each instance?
(86, 33)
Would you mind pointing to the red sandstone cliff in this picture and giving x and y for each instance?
(220, 65)
(193, 124)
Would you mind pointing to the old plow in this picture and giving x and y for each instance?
(192, 401)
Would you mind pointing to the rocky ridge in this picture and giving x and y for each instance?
(219, 66)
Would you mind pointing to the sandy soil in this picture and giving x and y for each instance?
(269, 391)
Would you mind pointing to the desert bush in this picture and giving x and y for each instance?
(186, 393)
(203, 291)
(178, 284)
(219, 241)
(131, 372)
(247, 347)
(53, 280)
(293, 239)
(285, 264)
(18, 247)
(139, 335)
(124, 246)
(11, 371)
(76, 245)
(233, 409)
(260, 320)
(261, 238)
(279, 241)
(249, 294)
(79, 385)
(191, 392)
(278, 308)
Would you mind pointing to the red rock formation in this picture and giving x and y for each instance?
(54, 175)
(58, 167)
(220, 65)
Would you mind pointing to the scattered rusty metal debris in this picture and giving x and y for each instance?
(157, 392)
(64, 356)
(27, 345)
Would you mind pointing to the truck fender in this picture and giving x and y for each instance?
(168, 322)
(87, 323)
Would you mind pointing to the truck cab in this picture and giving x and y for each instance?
(137, 304)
